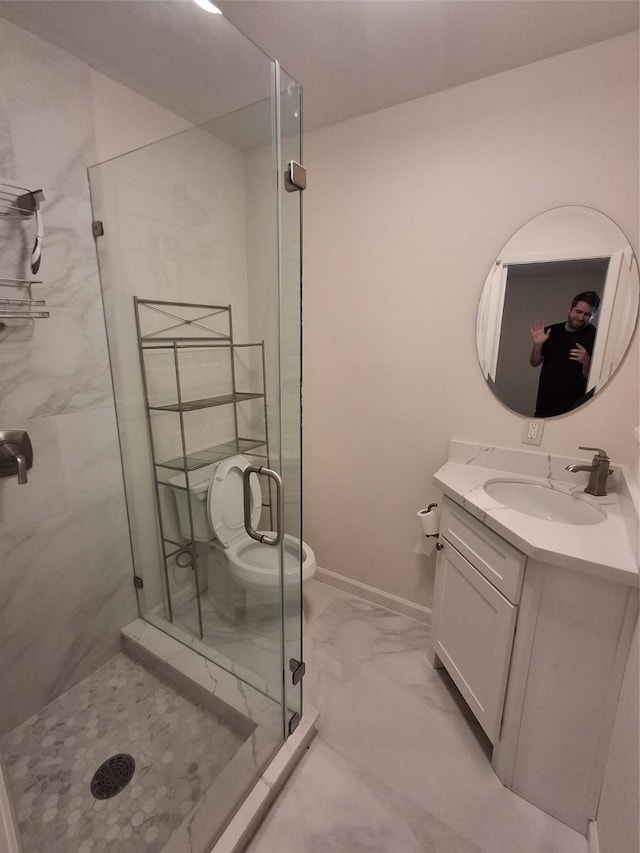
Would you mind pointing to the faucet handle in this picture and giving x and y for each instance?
(595, 450)
(16, 454)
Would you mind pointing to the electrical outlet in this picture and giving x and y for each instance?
(532, 433)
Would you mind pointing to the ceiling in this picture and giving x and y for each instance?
(351, 56)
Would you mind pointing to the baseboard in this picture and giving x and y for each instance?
(593, 845)
(376, 596)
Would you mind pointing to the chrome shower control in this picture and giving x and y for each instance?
(16, 454)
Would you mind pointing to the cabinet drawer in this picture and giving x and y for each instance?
(496, 559)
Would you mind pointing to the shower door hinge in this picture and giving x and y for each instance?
(138, 582)
(295, 178)
(294, 722)
(97, 227)
(297, 668)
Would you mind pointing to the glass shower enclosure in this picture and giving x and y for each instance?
(198, 238)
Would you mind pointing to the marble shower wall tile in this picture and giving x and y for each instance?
(56, 365)
(90, 455)
(66, 580)
(62, 369)
(70, 261)
(46, 110)
(66, 583)
(60, 364)
(76, 465)
(24, 508)
(66, 587)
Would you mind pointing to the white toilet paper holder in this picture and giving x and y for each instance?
(424, 512)
(430, 523)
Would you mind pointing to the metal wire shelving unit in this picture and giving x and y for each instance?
(175, 330)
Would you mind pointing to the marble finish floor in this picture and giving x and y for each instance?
(251, 648)
(253, 644)
(399, 765)
(179, 747)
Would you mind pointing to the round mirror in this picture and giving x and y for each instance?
(557, 312)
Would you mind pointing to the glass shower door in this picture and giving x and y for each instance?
(199, 252)
(290, 286)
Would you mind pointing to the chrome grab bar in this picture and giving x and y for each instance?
(263, 537)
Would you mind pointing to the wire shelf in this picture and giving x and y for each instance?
(20, 203)
(206, 402)
(210, 455)
(15, 202)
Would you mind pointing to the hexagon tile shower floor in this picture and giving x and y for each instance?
(121, 711)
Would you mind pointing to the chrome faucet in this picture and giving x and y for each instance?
(598, 471)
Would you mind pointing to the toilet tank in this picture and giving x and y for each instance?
(199, 489)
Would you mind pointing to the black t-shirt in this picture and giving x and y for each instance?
(562, 386)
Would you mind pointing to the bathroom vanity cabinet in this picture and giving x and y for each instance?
(538, 652)
(477, 590)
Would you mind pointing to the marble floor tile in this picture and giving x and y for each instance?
(317, 596)
(399, 763)
(331, 804)
(254, 645)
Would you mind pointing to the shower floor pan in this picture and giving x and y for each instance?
(178, 747)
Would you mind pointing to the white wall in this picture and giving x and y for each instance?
(405, 211)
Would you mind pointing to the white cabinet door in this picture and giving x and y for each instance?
(472, 634)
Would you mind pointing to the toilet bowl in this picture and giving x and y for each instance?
(218, 518)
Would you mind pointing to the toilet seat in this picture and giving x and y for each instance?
(225, 500)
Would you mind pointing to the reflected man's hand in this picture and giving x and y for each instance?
(579, 353)
(538, 334)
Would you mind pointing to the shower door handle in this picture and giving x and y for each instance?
(246, 489)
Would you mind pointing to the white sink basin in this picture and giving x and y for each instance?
(552, 503)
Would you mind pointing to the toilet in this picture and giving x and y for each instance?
(218, 518)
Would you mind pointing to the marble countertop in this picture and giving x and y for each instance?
(602, 550)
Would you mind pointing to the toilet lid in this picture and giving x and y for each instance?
(225, 500)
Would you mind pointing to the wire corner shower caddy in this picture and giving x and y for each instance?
(18, 204)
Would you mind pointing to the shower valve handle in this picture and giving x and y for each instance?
(16, 454)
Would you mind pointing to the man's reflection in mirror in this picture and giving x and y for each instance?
(564, 351)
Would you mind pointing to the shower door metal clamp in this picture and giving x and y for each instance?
(263, 537)
(297, 668)
(295, 178)
(294, 722)
(16, 454)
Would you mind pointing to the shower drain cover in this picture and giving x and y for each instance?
(112, 776)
